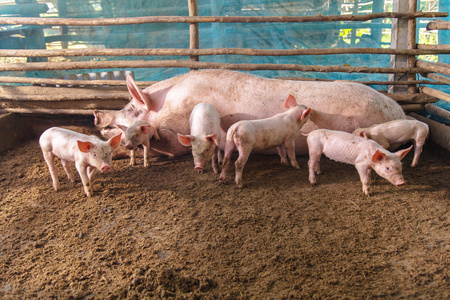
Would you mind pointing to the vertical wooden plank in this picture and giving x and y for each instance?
(399, 40)
(411, 44)
(193, 29)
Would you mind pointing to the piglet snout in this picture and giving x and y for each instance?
(105, 168)
(199, 169)
(129, 147)
(401, 183)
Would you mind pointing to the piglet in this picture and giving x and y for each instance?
(88, 152)
(278, 131)
(205, 136)
(392, 134)
(364, 154)
(138, 133)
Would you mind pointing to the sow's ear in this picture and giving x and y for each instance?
(84, 146)
(306, 113)
(138, 94)
(402, 153)
(290, 102)
(185, 140)
(115, 141)
(378, 156)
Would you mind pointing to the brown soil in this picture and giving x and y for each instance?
(166, 231)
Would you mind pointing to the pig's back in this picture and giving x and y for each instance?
(205, 120)
(62, 142)
(343, 146)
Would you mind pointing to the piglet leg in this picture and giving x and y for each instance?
(417, 151)
(83, 171)
(364, 175)
(66, 166)
(290, 150)
(50, 160)
(282, 152)
(239, 165)
(216, 160)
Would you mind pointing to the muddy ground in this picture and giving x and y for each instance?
(166, 231)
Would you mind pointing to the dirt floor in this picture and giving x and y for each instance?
(166, 231)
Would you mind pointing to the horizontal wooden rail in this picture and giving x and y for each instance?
(214, 51)
(434, 67)
(69, 82)
(214, 19)
(438, 78)
(443, 113)
(368, 82)
(438, 25)
(68, 104)
(416, 98)
(67, 97)
(436, 93)
(48, 111)
(36, 66)
(439, 133)
(76, 83)
(412, 107)
(430, 47)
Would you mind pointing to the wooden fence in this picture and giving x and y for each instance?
(40, 97)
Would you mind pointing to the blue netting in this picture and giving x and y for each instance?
(374, 33)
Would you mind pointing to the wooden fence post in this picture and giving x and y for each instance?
(193, 29)
(411, 44)
(400, 40)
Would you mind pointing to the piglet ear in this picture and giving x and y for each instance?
(402, 153)
(290, 102)
(185, 140)
(145, 129)
(378, 156)
(115, 141)
(84, 146)
(306, 113)
(138, 94)
(213, 139)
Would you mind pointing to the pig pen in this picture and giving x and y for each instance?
(168, 232)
